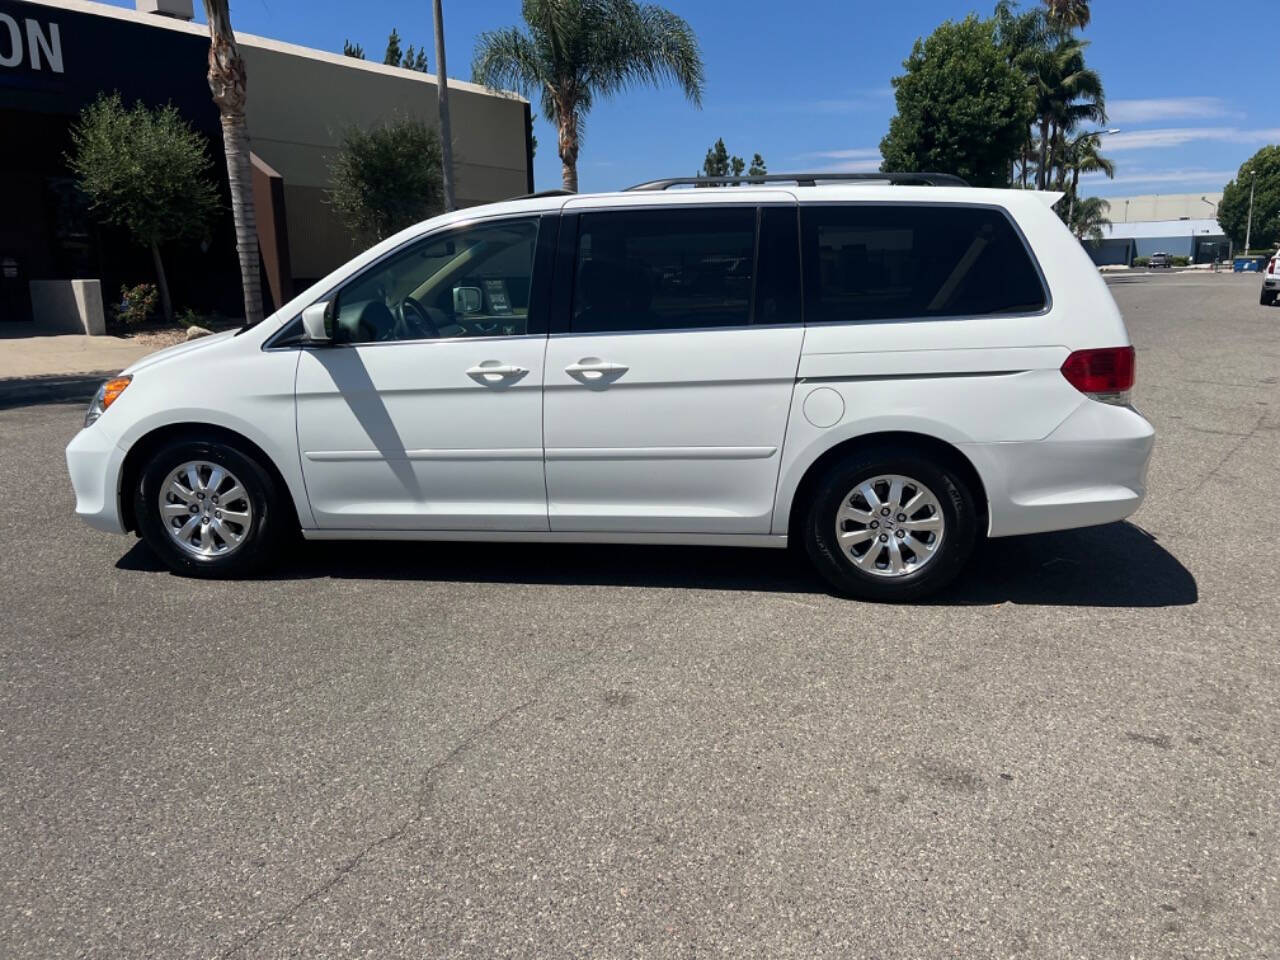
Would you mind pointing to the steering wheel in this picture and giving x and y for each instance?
(418, 320)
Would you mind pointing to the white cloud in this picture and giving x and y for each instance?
(854, 160)
(1170, 108)
(857, 153)
(1190, 179)
(1165, 137)
(878, 98)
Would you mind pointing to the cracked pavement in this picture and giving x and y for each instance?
(453, 750)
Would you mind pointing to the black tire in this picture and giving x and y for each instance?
(264, 534)
(959, 511)
(1268, 298)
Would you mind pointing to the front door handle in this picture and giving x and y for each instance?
(494, 371)
(594, 370)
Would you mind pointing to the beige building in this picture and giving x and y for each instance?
(56, 57)
(1164, 206)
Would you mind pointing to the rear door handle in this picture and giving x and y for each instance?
(493, 371)
(594, 369)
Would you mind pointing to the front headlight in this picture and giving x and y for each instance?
(105, 397)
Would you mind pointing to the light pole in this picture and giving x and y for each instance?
(1216, 249)
(1248, 230)
(442, 105)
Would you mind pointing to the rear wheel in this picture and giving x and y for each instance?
(890, 524)
(208, 510)
(1268, 297)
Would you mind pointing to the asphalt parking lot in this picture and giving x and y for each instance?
(518, 751)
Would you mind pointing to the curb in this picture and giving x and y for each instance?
(56, 388)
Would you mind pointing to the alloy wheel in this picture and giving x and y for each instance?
(890, 525)
(205, 509)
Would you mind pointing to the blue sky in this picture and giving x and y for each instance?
(807, 85)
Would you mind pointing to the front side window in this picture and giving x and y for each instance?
(867, 262)
(472, 282)
(663, 269)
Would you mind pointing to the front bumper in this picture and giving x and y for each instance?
(1092, 469)
(94, 462)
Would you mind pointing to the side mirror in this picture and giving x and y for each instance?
(467, 300)
(317, 322)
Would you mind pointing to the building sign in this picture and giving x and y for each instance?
(56, 60)
(30, 44)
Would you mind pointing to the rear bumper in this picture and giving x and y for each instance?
(94, 462)
(1092, 469)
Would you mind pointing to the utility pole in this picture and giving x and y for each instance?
(1248, 230)
(446, 129)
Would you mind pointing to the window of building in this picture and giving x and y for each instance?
(664, 269)
(889, 262)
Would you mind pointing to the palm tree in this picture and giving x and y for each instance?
(576, 50)
(1066, 93)
(1082, 155)
(1069, 14)
(227, 83)
(1024, 38)
(1089, 217)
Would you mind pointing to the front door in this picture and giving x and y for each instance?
(426, 412)
(667, 395)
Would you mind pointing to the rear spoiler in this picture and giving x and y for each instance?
(1048, 197)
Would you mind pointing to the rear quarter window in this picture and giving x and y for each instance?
(869, 262)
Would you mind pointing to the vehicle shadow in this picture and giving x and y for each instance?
(1119, 565)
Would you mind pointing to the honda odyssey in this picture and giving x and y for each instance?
(883, 368)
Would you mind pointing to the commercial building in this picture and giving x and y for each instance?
(1175, 224)
(57, 57)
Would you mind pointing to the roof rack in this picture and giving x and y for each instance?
(809, 180)
(546, 193)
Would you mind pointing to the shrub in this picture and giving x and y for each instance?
(1142, 261)
(1180, 261)
(137, 304)
(387, 178)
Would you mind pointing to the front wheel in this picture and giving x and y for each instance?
(207, 509)
(891, 524)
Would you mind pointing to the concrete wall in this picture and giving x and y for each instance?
(69, 306)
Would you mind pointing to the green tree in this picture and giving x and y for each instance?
(350, 49)
(576, 50)
(720, 163)
(1262, 171)
(962, 108)
(147, 171)
(414, 59)
(386, 178)
(393, 56)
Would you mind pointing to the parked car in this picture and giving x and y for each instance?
(1271, 281)
(882, 372)
(1157, 260)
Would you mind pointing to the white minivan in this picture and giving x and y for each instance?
(883, 368)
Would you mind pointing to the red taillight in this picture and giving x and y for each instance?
(1105, 374)
(1271, 267)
